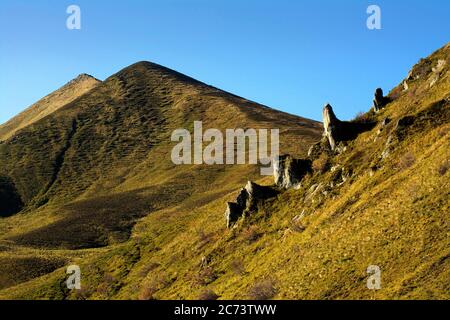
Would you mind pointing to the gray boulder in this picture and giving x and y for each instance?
(330, 124)
(288, 172)
(247, 201)
(337, 131)
(232, 214)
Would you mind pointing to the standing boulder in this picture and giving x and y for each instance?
(379, 100)
(331, 125)
(288, 172)
(337, 131)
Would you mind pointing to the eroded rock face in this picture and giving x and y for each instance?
(437, 72)
(232, 214)
(247, 201)
(330, 125)
(288, 172)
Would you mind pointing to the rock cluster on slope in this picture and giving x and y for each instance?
(247, 201)
(288, 171)
(337, 131)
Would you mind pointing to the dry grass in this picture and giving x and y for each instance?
(238, 267)
(205, 276)
(262, 290)
(251, 234)
(320, 164)
(368, 220)
(208, 294)
(406, 161)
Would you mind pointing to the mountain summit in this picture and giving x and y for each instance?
(85, 173)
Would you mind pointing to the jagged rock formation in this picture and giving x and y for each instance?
(232, 213)
(247, 201)
(379, 100)
(405, 86)
(336, 130)
(330, 125)
(425, 69)
(437, 72)
(288, 172)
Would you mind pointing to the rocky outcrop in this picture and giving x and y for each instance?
(331, 125)
(337, 131)
(232, 214)
(247, 201)
(288, 172)
(379, 100)
(436, 72)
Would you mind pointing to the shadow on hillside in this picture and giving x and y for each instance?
(16, 270)
(101, 221)
(10, 201)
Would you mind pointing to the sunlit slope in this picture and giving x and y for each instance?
(47, 105)
(382, 200)
(89, 171)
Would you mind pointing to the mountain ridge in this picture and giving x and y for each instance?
(50, 103)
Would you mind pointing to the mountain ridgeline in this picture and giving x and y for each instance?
(92, 183)
(84, 174)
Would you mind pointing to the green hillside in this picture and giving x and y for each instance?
(98, 189)
(85, 174)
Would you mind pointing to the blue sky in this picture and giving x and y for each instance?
(290, 55)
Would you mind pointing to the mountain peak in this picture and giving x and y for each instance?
(84, 77)
(156, 72)
(48, 104)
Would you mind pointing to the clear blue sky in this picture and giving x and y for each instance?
(290, 55)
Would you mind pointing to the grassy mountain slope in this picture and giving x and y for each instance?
(88, 172)
(52, 102)
(382, 200)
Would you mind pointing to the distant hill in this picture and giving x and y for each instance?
(52, 102)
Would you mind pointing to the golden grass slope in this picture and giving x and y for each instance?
(88, 172)
(47, 105)
(312, 243)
